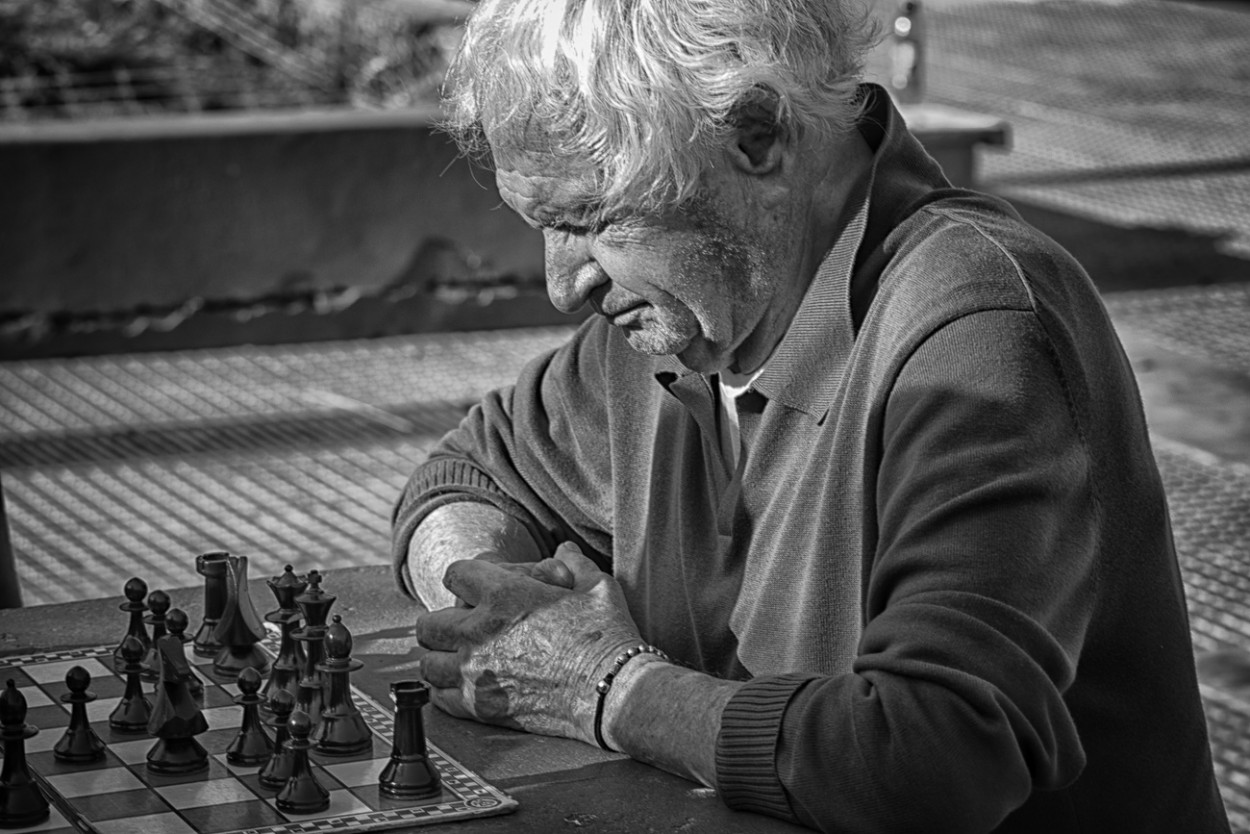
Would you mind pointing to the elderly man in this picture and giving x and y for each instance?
(844, 503)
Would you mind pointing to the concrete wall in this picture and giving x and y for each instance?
(109, 216)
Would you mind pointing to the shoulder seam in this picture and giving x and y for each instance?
(948, 215)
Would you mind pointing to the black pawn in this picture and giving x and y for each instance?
(136, 589)
(176, 621)
(409, 774)
(211, 566)
(279, 767)
(80, 743)
(302, 793)
(22, 804)
(342, 731)
(133, 711)
(252, 746)
(158, 607)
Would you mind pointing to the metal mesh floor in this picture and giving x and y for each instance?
(122, 466)
(1134, 113)
(1228, 724)
(1210, 504)
(1211, 324)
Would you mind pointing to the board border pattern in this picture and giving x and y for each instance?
(476, 796)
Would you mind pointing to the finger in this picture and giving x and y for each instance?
(586, 574)
(443, 630)
(441, 670)
(473, 579)
(480, 583)
(451, 701)
(549, 572)
(553, 572)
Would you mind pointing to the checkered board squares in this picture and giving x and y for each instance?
(119, 796)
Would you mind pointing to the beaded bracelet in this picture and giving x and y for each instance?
(604, 685)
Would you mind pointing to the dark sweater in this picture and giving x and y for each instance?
(944, 566)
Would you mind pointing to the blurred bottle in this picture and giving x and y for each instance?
(907, 54)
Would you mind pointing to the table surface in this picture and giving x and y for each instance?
(560, 784)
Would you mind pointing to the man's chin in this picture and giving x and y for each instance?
(648, 341)
(692, 352)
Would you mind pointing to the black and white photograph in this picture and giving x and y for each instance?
(625, 416)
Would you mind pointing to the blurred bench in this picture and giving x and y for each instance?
(954, 137)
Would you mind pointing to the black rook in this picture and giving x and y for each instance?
(410, 773)
(211, 566)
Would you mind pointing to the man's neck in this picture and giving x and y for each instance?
(841, 179)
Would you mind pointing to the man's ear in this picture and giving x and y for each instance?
(758, 140)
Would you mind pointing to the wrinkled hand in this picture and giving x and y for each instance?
(551, 571)
(530, 647)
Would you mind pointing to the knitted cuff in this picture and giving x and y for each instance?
(746, 748)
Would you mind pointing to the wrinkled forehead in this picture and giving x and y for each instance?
(540, 181)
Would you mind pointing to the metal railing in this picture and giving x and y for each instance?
(159, 56)
(190, 85)
(249, 33)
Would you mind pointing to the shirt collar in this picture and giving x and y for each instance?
(806, 368)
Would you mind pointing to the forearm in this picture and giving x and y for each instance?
(667, 716)
(462, 530)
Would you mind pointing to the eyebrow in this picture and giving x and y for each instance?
(585, 216)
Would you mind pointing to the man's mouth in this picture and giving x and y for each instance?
(628, 317)
(624, 316)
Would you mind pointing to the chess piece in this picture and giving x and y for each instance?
(342, 731)
(279, 767)
(176, 718)
(158, 607)
(133, 711)
(252, 746)
(176, 621)
(240, 628)
(135, 590)
(211, 566)
(409, 774)
(302, 793)
(314, 604)
(80, 743)
(290, 661)
(22, 803)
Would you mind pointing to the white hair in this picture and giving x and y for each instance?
(639, 87)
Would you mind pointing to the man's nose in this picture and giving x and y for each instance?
(572, 271)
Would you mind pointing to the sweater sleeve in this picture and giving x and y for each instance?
(535, 450)
(979, 593)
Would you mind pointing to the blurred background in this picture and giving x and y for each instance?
(245, 284)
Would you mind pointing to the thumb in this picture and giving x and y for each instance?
(586, 574)
(553, 572)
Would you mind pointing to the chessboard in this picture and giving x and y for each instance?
(119, 795)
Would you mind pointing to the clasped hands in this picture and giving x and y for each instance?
(530, 644)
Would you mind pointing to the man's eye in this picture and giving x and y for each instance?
(577, 230)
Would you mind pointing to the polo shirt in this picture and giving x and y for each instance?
(943, 569)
